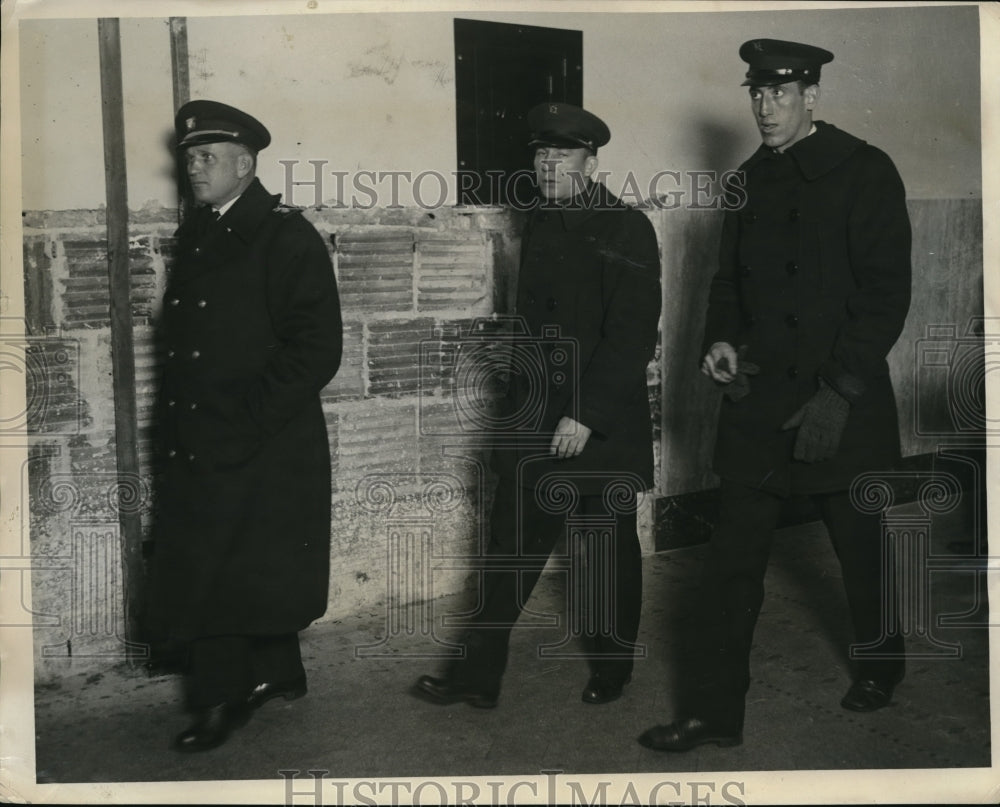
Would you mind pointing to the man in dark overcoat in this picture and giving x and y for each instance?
(812, 291)
(252, 332)
(578, 442)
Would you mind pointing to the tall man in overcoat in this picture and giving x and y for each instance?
(252, 332)
(589, 294)
(811, 293)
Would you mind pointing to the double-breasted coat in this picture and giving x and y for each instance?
(814, 277)
(252, 331)
(589, 295)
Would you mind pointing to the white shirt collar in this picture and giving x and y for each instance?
(222, 210)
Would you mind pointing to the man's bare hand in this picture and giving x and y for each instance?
(570, 438)
(720, 363)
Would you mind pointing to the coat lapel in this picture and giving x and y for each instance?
(207, 242)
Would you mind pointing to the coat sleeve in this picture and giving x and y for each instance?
(628, 331)
(304, 310)
(722, 319)
(879, 240)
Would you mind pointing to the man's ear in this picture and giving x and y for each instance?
(244, 164)
(590, 166)
(811, 94)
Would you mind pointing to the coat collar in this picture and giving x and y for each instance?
(596, 199)
(247, 214)
(815, 155)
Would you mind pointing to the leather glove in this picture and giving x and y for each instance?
(739, 387)
(820, 423)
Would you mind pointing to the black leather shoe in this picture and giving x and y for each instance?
(869, 694)
(448, 690)
(289, 690)
(602, 690)
(212, 728)
(683, 735)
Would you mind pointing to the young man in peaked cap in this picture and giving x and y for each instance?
(590, 278)
(811, 293)
(252, 332)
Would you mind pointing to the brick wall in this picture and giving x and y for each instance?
(406, 461)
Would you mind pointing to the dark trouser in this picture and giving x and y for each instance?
(733, 590)
(224, 669)
(606, 606)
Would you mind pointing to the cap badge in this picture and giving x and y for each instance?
(190, 124)
(758, 45)
(553, 109)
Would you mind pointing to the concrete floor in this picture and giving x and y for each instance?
(359, 721)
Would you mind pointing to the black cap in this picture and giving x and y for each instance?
(566, 126)
(200, 122)
(773, 61)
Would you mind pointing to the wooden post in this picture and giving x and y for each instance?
(179, 61)
(122, 348)
(180, 73)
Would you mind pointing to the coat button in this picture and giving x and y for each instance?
(197, 250)
(202, 304)
(171, 453)
(791, 267)
(793, 371)
(744, 271)
(551, 304)
(175, 301)
(792, 321)
(170, 354)
(793, 214)
(171, 403)
(751, 216)
(529, 299)
(194, 406)
(191, 457)
(195, 354)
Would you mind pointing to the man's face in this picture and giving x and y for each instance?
(218, 172)
(562, 172)
(783, 112)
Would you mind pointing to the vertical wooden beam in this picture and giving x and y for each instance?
(122, 348)
(179, 61)
(180, 73)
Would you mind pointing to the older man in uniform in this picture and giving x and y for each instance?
(590, 276)
(812, 291)
(252, 332)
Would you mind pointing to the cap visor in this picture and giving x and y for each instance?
(560, 142)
